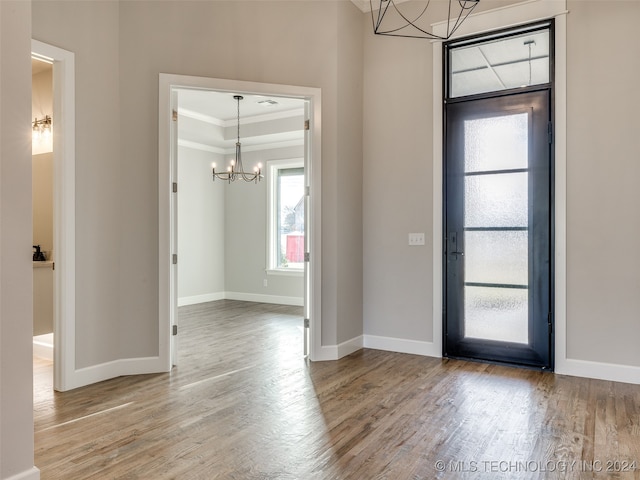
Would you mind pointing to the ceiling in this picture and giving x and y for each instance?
(208, 119)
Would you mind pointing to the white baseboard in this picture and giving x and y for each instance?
(32, 474)
(195, 299)
(325, 353)
(245, 297)
(350, 346)
(116, 368)
(601, 371)
(401, 345)
(256, 297)
(334, 352)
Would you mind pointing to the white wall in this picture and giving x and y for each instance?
(201, 237)
(16, 329)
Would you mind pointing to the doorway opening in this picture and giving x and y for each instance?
(230, 247)
(42, 204)
(59, 206)
(302, 142)
(498, 197)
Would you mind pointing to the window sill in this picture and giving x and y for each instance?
(286, 272)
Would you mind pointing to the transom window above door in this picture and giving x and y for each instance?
(518, 59)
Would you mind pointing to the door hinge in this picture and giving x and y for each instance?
(550, 322)
(174, 187)
(174, 115)
(306, 323)
(174, 330)
(306, 125)
(174, 259)
(550, 132)
(306, 256)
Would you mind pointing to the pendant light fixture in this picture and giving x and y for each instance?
(409, 21)
(235, 169)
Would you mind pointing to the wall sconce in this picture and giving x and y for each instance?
(42, 128)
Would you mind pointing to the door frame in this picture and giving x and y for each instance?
(166, 175)
(499, 19)
(65, 375)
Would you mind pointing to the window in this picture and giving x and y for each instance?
(515, 59)
(286, 215)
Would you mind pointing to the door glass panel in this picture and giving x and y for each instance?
(500, 314)
(496, 200)
(496, 219)
(497, 257)
(496, 143)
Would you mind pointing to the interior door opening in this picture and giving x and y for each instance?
(309, 101)
(229, 246)
(61, 199)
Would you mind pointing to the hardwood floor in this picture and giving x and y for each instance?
(244, 404)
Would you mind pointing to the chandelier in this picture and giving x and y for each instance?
(403, 22)
(235, 169)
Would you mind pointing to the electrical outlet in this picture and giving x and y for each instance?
(264, 282)
(416, 239)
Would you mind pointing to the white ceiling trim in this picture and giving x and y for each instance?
(201, 146)
(232, 150)
(266, 146)
(267, 117)
(200, 116)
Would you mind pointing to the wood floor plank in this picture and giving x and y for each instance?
(244, 404)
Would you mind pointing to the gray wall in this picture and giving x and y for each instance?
(246, 232)
(602, 195)
(16, 272)
(90, 30)
(201, 239)
(120, 49)
(603, 174)
(222, 229)
(319, 44)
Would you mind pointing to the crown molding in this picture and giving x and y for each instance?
(201, 146)
(267, 117)
(245, 148)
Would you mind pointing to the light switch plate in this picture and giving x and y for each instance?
(416, 239)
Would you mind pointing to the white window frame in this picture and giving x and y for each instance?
(272, 205)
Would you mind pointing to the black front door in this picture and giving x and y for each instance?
(498, 230)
